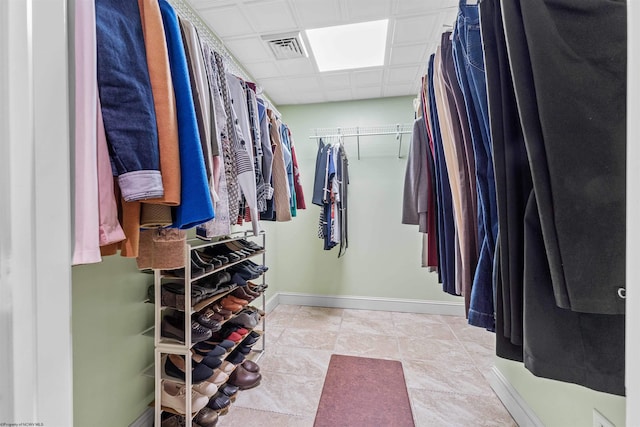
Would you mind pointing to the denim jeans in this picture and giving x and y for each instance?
(127, 104)
(468, 55)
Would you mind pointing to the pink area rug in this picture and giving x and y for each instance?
(364, 392)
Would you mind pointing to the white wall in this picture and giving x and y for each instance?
(35, 231)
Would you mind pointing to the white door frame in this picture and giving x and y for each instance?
(35, 228)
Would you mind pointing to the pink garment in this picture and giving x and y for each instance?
(110, 230)
(86, 217)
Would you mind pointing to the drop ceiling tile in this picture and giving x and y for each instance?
(303, 84)
(402, 75)
(367, 92)
(412, 6)
(201, 5)
(335, 80)
(368, 77)
(248, 50)
(311, 98)
(361, 10)
(338, 95)
(399, 90)
(402, 55)
(263, 70)
(269, 17)
(291, 67)
(226, 21)
(317, 14)
(285, 99)
(275, 87)
(415, 29)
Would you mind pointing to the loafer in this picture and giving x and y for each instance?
(237, 300)
(210, 350)
(251, 366)
(229, 390)
(230, 305)
(171, 327)
(244, 379)
(207, 320)
(174, 396)
(245, 320)
(175, 366)
(227, 367)
(216, 340)
(244, 349)
(207, 417)
(219, 402)
(173, 420)
(210, 361)
(235, 358)
(218, 377)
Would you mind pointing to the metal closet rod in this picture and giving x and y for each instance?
(186, 11)
(398, 130)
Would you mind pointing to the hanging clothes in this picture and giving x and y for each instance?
(196, 205)
(330, 191)
(130, 127)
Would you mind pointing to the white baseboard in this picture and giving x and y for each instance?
(144, 420)
(369, 303)
(272, 303)
(511, 399)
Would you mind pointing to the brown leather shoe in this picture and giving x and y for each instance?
(251, 366)
(230, 305)
(207, 417)
(237, 300)
(244, 379)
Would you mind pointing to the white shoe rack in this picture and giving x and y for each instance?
(165, 346)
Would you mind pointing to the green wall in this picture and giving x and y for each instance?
(383, 259)
(109, 352)
(559, 404)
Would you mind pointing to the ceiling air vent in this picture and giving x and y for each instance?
(286, 46)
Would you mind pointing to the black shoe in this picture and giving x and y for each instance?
(219, 401)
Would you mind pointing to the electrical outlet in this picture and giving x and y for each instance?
(600, 420)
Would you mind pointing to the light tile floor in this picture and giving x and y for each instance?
(446, 365)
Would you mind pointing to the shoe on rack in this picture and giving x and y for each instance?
(250, 244)
(197, 260)
(173, 327)
(209, 350)
(237, 300)
(210, 361)
(244, 349)
(208, 319)
(219, 402)
(227, 367)
(244, 379)
(175, 366)
(207, 417)
(217, 340)
(235, 358)
(174, 396)
(251, 366)
(228, 304)
(206, 388)
(246, 319)
(242, 294)
(173, 420)
(218, 377)
(229, 390)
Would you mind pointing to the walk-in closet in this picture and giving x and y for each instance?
(319, 213)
